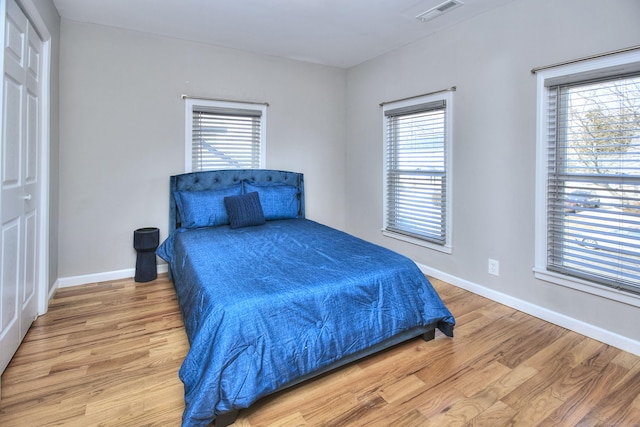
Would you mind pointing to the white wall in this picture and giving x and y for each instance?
(122, 133)
(489, 59)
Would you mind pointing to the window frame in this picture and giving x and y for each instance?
(447, 97)
(193, 104)
(584, 70)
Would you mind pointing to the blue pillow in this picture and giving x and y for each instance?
(279, 201)
(244, 210)
(204, 208)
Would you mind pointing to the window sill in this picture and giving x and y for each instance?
(445, 249)
(588, 287)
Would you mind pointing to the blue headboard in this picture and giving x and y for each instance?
(210, 180)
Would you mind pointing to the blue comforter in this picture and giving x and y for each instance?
(265, 305)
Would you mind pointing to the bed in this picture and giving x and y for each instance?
(270, 299)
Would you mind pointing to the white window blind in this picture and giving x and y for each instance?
(593, 182)
(225, 135)
(416, 170)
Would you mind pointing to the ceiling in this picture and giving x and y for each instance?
(340, 33)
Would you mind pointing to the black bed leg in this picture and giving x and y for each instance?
(226, 419)
(428, 336)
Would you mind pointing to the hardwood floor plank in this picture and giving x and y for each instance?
(537, 408)
(494, 386)
(617, 407)
(498, 415)
(562, 348)
(108, 354)
(401, 388)
(436, 400)
(528, 341)
(579, 404)
(549, 375)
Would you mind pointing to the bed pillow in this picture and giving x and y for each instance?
(204, 208)
(279, 201)
(244, 210)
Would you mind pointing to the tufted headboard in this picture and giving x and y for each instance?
(211, 180)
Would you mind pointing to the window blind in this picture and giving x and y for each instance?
(415, 171)
(593, 197)
(225, 138)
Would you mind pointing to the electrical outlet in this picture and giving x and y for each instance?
(494, 267)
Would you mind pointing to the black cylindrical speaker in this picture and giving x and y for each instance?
(146, 241)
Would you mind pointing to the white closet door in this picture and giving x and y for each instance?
(19, 179)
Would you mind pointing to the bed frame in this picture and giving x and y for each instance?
(210, 180)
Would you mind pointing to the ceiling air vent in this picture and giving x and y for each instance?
(443, 7)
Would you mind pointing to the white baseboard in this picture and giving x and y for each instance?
(587, 329)
(65, 282)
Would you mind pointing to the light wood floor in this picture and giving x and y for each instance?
(108, 354)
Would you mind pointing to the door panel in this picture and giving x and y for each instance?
(28, 295)
(11, 134)
(9, 291)
(15, 34)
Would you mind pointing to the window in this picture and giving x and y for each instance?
(417, 170)
(224, 135)
(588, 194)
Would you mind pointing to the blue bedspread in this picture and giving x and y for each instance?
(265, 305)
